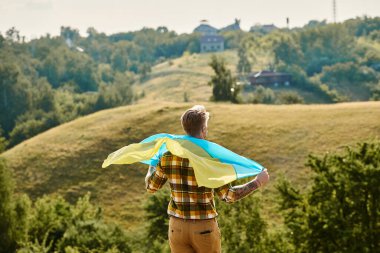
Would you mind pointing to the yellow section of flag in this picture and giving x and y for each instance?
(209, 172)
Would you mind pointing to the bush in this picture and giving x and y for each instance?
(31, 124)
(242, 228)
(3, 141)
(340, 211)
(53, 225)
(158, 223)
(13, 213)
(115, 94)
(350, 73)
(263, 95)
(375, 91)
(289, 97)
(56, 225)
(156, 213)
(7, 242)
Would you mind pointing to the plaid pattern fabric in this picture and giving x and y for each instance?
(187, 200)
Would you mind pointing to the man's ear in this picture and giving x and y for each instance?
(204, 132)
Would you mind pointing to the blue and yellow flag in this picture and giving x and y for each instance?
(213, 164)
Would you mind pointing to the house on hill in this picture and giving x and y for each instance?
(212, 43)
(209, 41)
(233, 27)
(263, 28)
(269, 78)
(205, 29)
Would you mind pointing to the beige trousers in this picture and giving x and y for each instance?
(190, 236)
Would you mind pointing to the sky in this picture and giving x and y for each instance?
(34, 18)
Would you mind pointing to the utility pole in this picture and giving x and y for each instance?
(287, 22)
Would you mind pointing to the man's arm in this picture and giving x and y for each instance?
(155, 178)
(231, 194)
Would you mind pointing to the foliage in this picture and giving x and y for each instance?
(331, 48)
(362, 26)
(7, 242)
(13, 95)
(345, 77)
(157, 222)
(56, 226)
(242, 227)
(286, 50)
(313, 48)
(290, 97)
(13, 213)
(70, 75)
(244, 65)
(3, 141)
(30, 124)
(156, 208)
(233, 39)
(303, 82)
(376, 92)
(339, 213)
(263, 95)
(52, 224)
(315, 23)
(223, 84)
(115, 94)
(326, 45)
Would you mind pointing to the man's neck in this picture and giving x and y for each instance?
(199, 136)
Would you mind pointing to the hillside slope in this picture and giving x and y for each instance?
(67, 159)
(169, 80)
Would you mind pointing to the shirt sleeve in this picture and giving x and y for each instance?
(157, 179)
(230, 194)
(226, 193)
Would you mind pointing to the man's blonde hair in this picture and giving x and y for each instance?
(195, 119)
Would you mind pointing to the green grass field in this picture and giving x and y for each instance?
(67, 160)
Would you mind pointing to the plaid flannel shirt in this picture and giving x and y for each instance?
(187, 200)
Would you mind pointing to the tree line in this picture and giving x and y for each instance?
(51, 80)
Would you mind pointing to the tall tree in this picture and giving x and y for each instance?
(287, 50)
(244, 66)
(223, 83)
(7, 243)
(14, 96)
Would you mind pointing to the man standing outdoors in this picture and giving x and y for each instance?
(192, 225)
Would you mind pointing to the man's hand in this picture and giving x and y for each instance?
(262, 178)
(150, 172)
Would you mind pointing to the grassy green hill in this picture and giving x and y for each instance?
(169, 80)
(67, 159)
